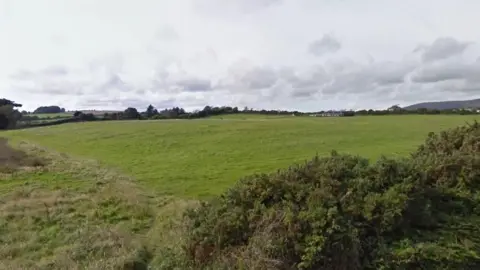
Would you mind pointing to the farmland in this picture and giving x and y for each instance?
(51, 115)
(109, 192)
(200, 158)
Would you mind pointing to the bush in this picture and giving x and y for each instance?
(342, 212)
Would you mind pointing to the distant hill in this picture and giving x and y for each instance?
(446, 105)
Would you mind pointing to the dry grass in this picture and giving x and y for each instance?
(12, 159)
(74, 214)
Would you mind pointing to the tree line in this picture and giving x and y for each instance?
(10, 117)
(49, 109)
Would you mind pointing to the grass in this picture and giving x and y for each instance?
(101, 199)
(252, 116)
(74, 214)
(51, 115)
(201, 158)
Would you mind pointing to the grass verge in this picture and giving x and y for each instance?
(74, 214)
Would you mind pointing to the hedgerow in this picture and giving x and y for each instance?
(343, 212)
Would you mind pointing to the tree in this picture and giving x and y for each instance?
(49, 109)
(151, 111)
(8, 114)
(131, 113)
(394, 108)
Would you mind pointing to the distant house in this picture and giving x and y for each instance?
(477, 110)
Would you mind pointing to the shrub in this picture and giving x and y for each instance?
(342, 212)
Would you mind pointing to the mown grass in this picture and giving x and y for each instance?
(201, 158)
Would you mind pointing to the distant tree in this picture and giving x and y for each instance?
(151, 111)
(4, 101)
(77, 114)
(87, 117)
(49, 109)
(131, 113)
(395, 108)
(8, 114)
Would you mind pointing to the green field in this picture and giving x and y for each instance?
(112, 193)
(51, 115)
(201, 158)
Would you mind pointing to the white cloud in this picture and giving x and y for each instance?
(291, 54)
(327, 44)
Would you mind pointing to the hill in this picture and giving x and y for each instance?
(446, 105)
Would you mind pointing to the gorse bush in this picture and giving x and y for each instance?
(342, 212)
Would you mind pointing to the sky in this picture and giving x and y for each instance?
(306, 55)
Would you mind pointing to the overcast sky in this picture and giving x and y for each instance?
(277, 54)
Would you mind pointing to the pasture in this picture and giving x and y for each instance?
(201, 158)
(109, 195)
(51, 115)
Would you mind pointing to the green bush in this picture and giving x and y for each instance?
(342, 212)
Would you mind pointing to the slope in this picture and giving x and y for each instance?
(446, 105)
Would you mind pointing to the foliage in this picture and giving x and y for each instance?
(4, 101)
(84, 116)
(179, 113)
(9, 116)
(49, 109)
(131, 113)
(151, 111)
(343, 212)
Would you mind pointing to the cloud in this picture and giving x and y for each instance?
(244, 77)
(256, 53)
(233, 7)
(115, 103)
(247, 82)
(51, 71)
(167, 33)
(194, 85)
(442, 48)
(445, 71)
(327, 44)
(53, 80)
(114, 82)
